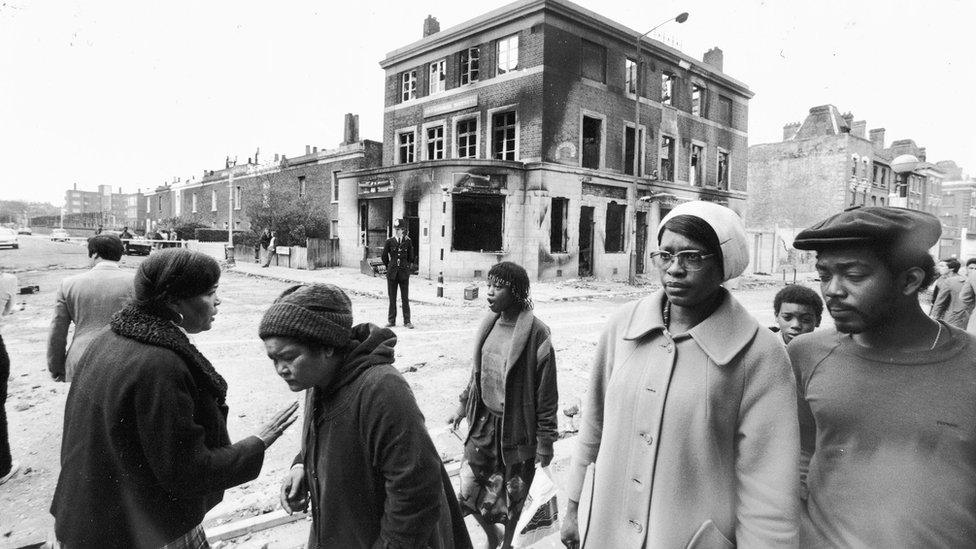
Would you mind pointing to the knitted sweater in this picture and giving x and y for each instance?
(888, 442)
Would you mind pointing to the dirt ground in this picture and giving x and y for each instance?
(438, 350)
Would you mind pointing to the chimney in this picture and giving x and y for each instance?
(315, 150)
(921, 154)
(790, 130)
(848, 121)
(714, 58)
(859, 128)
(877, 138)
(76, 186)
(276, 157)
(431, 26)
(120, 190)
(308, 149)
(351, 132)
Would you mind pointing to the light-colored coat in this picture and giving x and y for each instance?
(89, 300)
(694, 437)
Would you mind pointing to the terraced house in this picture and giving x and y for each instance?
(512, 137)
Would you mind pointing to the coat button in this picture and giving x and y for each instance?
(637, 527)
(647, 438)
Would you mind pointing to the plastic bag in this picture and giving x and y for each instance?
(540, 514)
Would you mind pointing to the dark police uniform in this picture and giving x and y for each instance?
(396, 256)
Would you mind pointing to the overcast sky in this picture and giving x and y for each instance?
(133, 94)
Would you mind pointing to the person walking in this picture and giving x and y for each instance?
(968, 294)
(947, 303)
(8, 467)
(264, 242)
(510, 403)
(367, 464)
(398, 258)
(272, 245)
(88, 300)
(886, 399)
(145, 451)
(690, 415)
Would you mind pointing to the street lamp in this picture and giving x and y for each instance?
(632, 196)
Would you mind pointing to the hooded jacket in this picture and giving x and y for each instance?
(374, 476)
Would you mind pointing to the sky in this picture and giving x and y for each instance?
(134, 94)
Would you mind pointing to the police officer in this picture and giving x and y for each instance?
(397, 255)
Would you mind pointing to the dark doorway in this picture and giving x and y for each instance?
(412, 218)
(586, 241)
(641, 240)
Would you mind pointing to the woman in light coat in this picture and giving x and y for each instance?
(690, 417)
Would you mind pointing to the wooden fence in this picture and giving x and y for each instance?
(318, 253)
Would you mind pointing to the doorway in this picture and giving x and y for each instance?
(586, 241)
(411, 216)
(641, 240)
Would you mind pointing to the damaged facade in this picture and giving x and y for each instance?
(511, 137)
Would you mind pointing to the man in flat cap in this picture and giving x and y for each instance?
(887, 401)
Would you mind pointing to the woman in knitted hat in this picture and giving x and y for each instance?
(367, 464)
(146, 452)
(690, 417)
(510, 404)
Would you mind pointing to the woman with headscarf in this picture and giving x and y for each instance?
(367, 465)
(510, 404)
(690, 417)
(145, 451)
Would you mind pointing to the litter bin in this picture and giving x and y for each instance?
(471, 292)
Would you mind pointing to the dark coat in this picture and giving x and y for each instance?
(145, 451)
(531, 395)
(398, 258)
(373, 473)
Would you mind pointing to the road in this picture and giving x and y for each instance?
(439, 349)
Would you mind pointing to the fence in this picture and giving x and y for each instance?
(318, 253)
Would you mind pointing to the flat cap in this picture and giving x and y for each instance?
(899, 228)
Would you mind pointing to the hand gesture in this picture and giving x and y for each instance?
(455, 420)
(281, 421)
(294, 491)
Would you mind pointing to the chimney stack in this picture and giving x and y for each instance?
(790, 130)
(431, 26)
(848, 121)
(859, 128)
(877, 138)
(315, 150)
(351, 132)
(921, 154)
(714, 58)
(308, 149)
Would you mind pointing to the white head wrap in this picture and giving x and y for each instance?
(727, 226)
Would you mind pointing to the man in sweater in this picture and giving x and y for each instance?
(947, 304)
(887, 420)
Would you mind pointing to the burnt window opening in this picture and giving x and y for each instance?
(725, 110)
(301, 186)
(592, 142)
(594, 62)
(630, 76)
(478, 223)
(723, 169)
(559, 221)
(666, 170)
(616, 217)
(503, 135)
(697, 175)
(667, 88)
(629, 151)
(438, 77)
(697, 99)
(467, 138)
(470, 65)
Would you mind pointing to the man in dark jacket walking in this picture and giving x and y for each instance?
(398, 256)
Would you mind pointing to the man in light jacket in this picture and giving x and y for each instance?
(89, 300)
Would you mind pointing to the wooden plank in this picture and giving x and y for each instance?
(253, 524)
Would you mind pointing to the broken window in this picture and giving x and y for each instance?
(438, 76)
(408, 86)
(697, 172)
(335, 186)
(594, 61)
(508, 53)
(725, 110)
(406, 142)
(503, 135)
(697, 99)
(238, 197)
(667, 88)
(628, 160)
(558, 223)
(470, 63)
(723, 169)
(592, 142)
(666, 170)
(467, 138)
(435, 142)
(301, 186)
(193, 200)
(616, 218)
(478, 222)
(630, 75)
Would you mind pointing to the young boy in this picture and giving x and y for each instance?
(798, 311)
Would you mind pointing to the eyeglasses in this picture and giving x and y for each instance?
(689, 260)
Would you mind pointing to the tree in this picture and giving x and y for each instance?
(279, 207)
(184, 225)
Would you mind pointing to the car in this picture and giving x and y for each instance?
(24, 230)
(59, 235)
(8, 238)
(137, 245)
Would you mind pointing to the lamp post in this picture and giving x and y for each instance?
(632, 195)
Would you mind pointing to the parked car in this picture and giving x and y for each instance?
(24, 230)
(59, 235)
(137, 245)
(8, 238)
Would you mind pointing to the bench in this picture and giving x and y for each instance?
(379, 269)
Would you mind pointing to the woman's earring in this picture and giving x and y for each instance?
(180, 321)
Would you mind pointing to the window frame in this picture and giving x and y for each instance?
(302, 188)
(728, 169)
(442, 124)
(628, 163)
(628, 77)
(667, 83)
(672, 157)
(476, 198)
(702, 162)
(601, 160)
(563, 237)
(467, 75)
(238, 197)
(587, 47)
(397, 159)
(335, 186)
(508, 40)
(408, 88)
(441, 68)
(455, 135)
(193, 202)
(334, 229)
(699, 104)
(490, 115)
(623, 227)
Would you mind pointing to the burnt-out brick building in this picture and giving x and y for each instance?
(512, 137)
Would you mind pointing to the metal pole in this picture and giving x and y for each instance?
(230, 207)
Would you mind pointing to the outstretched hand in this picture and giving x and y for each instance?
(281, 421)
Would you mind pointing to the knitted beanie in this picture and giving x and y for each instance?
(321, 313)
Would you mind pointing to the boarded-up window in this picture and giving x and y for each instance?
(594, 61)
(616, 219)
(478, 222)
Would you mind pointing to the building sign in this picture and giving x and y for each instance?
(374, 186)
(465, 102)
(606, 191)
(490, 183)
